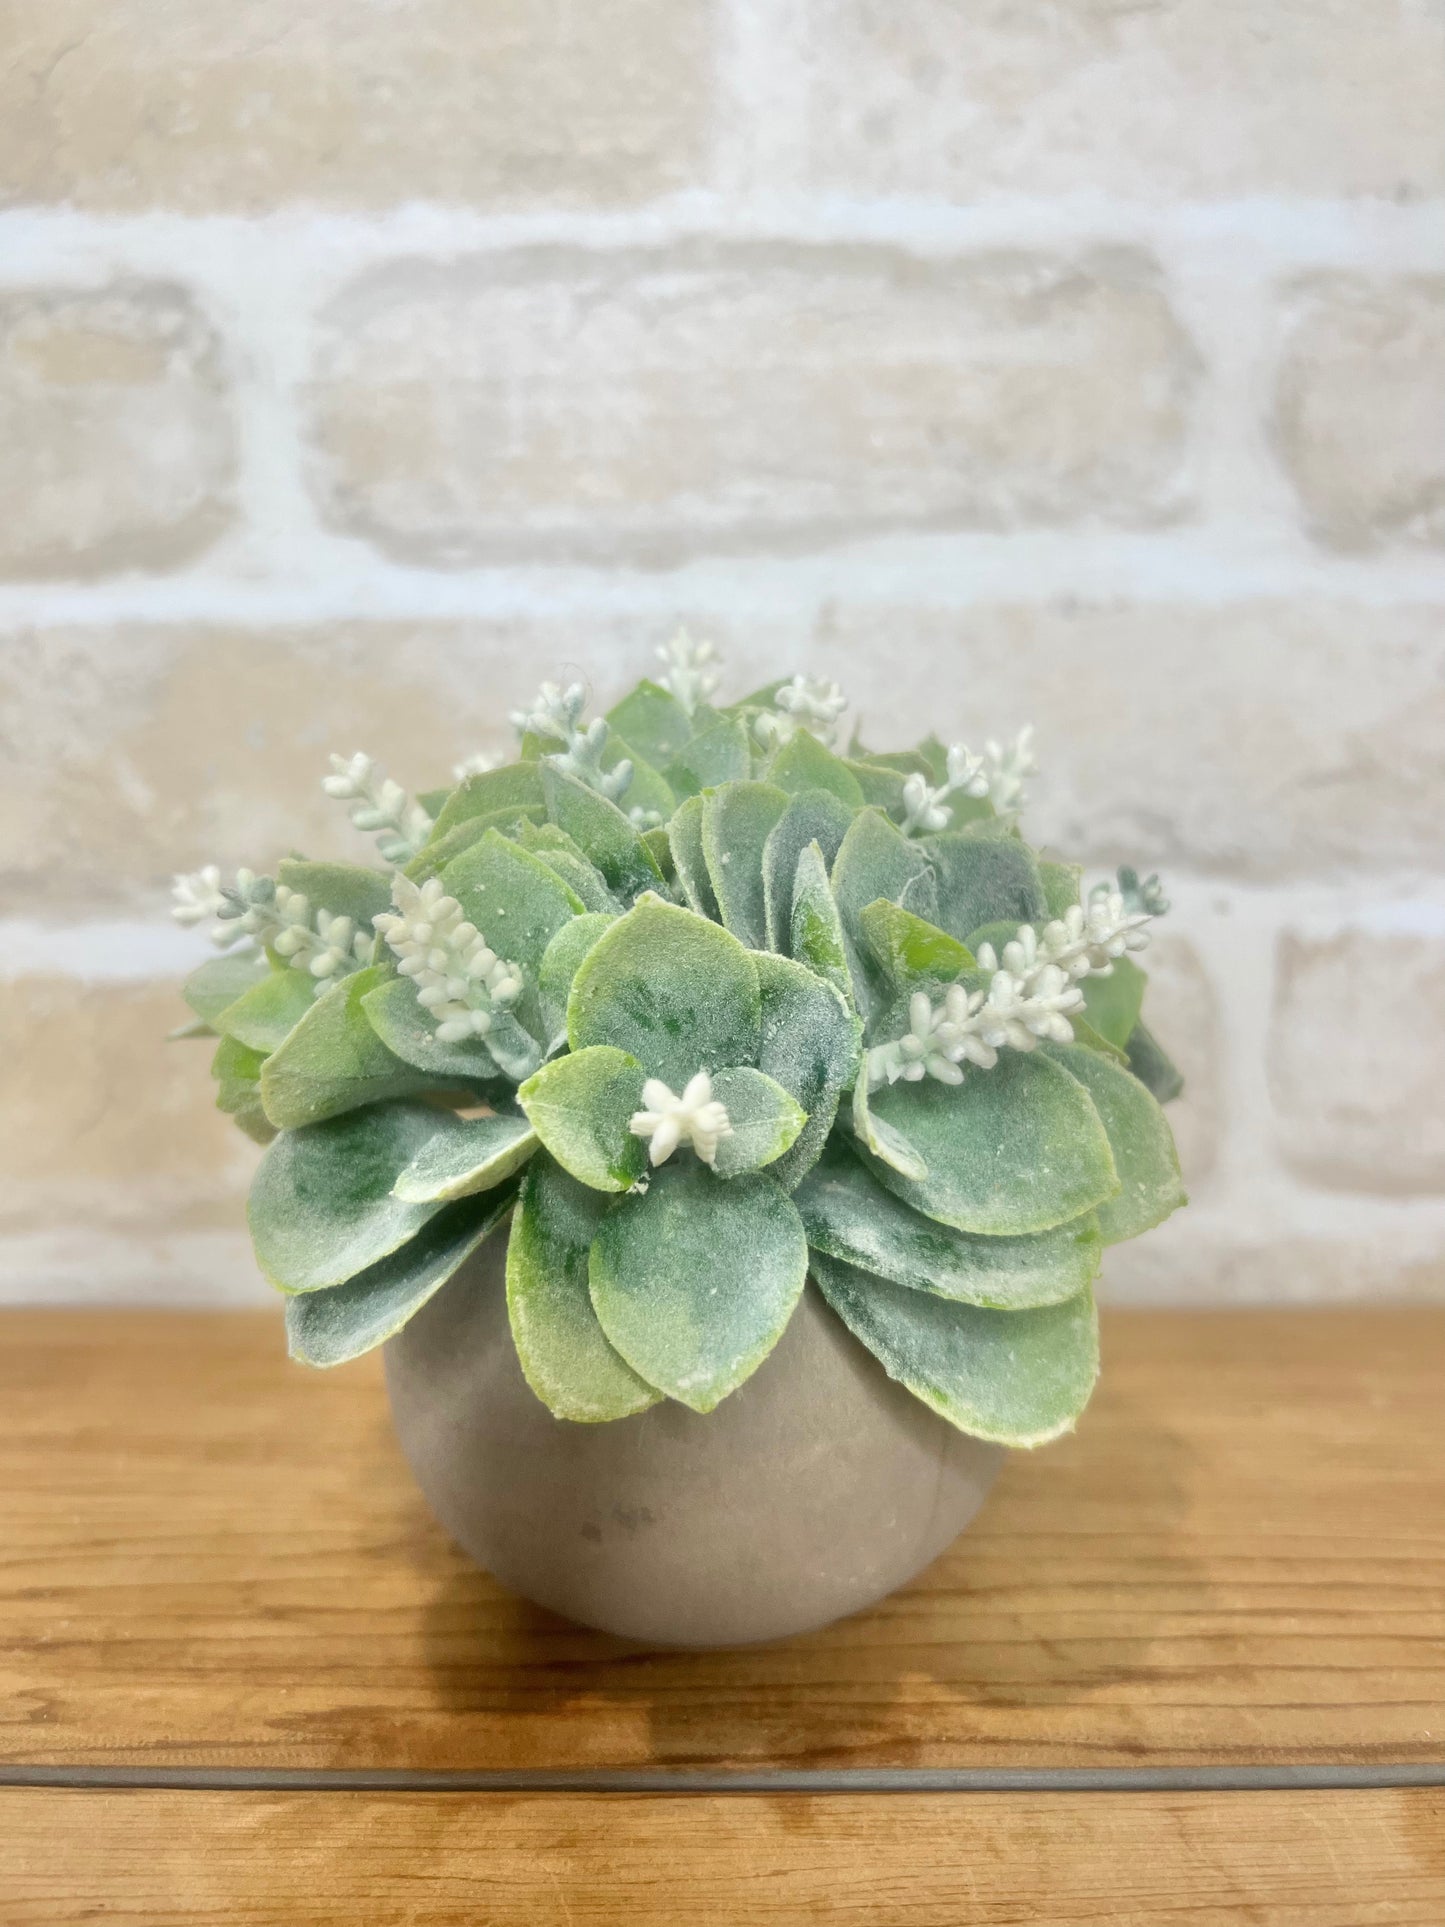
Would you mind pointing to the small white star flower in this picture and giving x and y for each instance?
(695, 1118)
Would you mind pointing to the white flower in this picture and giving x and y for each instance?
(685, 669)
(378, 804)
(926, 808)
(198, 895)
(804, 703)
(279, 919)
(1007, 769)
(476, 764)
(695, 1118)
(1084, 941)
(555, 711)
(458, 979)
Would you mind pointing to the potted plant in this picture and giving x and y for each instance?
(720, 1128)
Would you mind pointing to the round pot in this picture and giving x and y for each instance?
(815, 1489)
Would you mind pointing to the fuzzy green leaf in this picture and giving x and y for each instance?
(910, 952)
(875, 860)
(803, 763)
(560, 963)
(695, 1280)
(463, 1156)
(765, 1120)
(1142, 1144)
(1114, 1002)
(518, 904)
(333, 1061)
(812, 816)
(344, 889)
(1016, 1377)
(849, 1215)
(684, 834)
(1061, 883)
(581, 1107)
(1152, 1065)
(330, 1327)
(440, 851)
(717, 754)
(810, 1045)
(237, 1071)
(654, 722)
(1012, 1150)
(736, 823)
(409, 1032)
(646, 788)
(888, 1145)
(563, 1350)
(677, 992)
(560, 854)
(515, 786)
(983, 878)
(266, 1014)
(216, 984)
(815, 935)
(601, 832)
(882, 786)
(322, 1204)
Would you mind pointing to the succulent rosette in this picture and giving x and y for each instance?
(694, 1007)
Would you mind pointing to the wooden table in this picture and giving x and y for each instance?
(1188, 1666)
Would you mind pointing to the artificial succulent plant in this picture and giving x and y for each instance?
(697, 1006)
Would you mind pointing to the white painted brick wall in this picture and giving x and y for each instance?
(1080, 364)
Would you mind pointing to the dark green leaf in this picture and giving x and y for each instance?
(1113, 1002)
(1061, 883)
(815, 934)
(982, 879)
(654, 722)
(803, 763)
(736, 823)
(810, 1042)
(875, 860)
(409, 1033)
(602, 832)
(911, 953)
(333, 1061)
(1152, 1066)
(719, 754)
(685, 835)
(560, 964)
(812, 816)
(517, 785)
(518, 904)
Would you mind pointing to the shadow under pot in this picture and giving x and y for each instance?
(814, 1490)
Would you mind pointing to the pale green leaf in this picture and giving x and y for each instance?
(1114, 1002)
(1151, 1064)
(581, 1107)
(815, 935)
(563, 1350)
(812, 816)
(736, 822)
(330, 1327)
(695, 1281)
(518, 904)
(983, 877)
(1142, 1144)
(803, 763)
(888, 1145)
(322, 1204)
(557, 850)
(216, 984)
(237, 1071)
(440, 851)
(685, 836)
(717, 754)
(849, 1215)
(675, 991)
(765, 1120)
(409, 1032)
(1061, 882)
(514, 786)
(560, 964)
(465, 1155)
(654, 722)
(1016, 1377)
(881, 784)
(265, 1015)
(344, 889)
(601, 831)
(875, 860)
(910, 952)
(333, 1061)
(810, 1045)
(1012, 1150)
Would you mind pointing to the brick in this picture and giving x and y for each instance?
(206, 106)
(1360, 410)
(658, 404)
(1357, 1060)
(116, 445)
(1193, 98)
(1222, 1259)
(104, 1123)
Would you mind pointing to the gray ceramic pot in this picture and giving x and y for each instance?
(812, 1491)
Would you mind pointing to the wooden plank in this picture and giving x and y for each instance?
(922, 1860)
(209, 1556)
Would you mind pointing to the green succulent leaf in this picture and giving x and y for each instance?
(984, 878)
(1142, 1144)
(1012, 1150)
(409, 1032)
(560, 963)
(266, 1014)
(513, 787)
(684, 834)
(334, 1061)
(812, 816)
(1085, 1034)
(765, 1120)
(323, 1204)
(717, 754)
(810, 1045)
(216, 984)
(345, 889)
(1151, 1064)
(803, 763)
(695, 1280)
(331, 1327)
(675, 991)
(815, 936)
(654, 722)
(882, 786)
(736, 823)
(875, 860)
(847, 1214)
(1016, 1377)
(465, 1155)
(910, 952)
(518, 904)
(560, 854)
(647, 788)
(1062, 882)
(237, 1071)
(581, 1107)
(889, 1146)
(1114, 1002)
(440, 851)
(601, 832)
(563, 1350)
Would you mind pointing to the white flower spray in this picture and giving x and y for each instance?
(685, 670)
(807, 702)
(998, 774)
(556, 715)
(378, 806)
(458, 978)
(258, 909)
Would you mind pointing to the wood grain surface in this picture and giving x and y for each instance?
(918, 1860)
(210, 1556)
